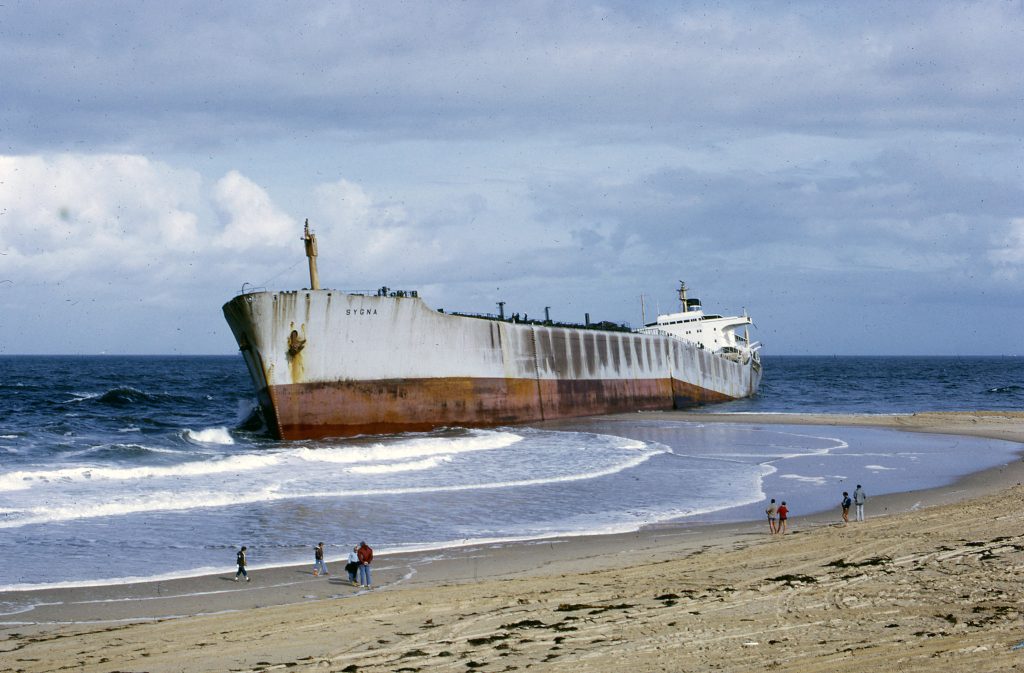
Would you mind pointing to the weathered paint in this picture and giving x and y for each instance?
(371, 364)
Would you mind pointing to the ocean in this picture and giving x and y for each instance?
(127, 468)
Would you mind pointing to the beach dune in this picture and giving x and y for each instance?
(931, 581)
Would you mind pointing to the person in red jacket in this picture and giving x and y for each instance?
(783, 516)
(365, 559)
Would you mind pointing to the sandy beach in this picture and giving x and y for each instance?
(931, 581)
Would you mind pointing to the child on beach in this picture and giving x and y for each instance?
(318, 560)
(783, 517)
(240, 559)
(845, 504)
(352, 567)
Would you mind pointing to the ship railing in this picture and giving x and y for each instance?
(524, 319)
(656, 331)
(381, 292)
(482, 316)
(249, 288)
(742, 355)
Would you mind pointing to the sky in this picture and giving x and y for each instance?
(850, 174)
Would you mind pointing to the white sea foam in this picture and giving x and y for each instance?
(626, 443)
(407, 466)
(25, 479)
(879, 468)
(81, 397)
(132, 504)
(820, 481)
(195, 572)
(409, 449)
(210, 436)
(178, 500)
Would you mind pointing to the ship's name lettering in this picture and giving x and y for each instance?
(360, 311)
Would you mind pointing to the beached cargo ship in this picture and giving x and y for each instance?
(331, 363)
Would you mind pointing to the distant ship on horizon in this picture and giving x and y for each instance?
(331, 363)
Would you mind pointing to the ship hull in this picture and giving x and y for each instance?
(326, 363)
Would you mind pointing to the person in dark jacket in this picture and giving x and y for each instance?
(318, 560)
(240, 559)
(365, 559)
(845, 504)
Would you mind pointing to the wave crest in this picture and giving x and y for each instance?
(210, 436)
(421, 447)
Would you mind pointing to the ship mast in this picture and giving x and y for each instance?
(682, 296)
(310, 240)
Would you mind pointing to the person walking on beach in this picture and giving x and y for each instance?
(240, 558)
(859, 498)
(352, 567)
(783, 517)
(318, 560)
(365, 555)
(772, 512)
(845, 504)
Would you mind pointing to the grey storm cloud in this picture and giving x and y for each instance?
(196, 74)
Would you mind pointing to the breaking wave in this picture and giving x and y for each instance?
(25, 479)
(210, 436)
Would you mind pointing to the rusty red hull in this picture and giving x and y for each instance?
(401, 405)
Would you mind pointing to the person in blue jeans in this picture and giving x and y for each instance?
(365, 559)
(318, 560)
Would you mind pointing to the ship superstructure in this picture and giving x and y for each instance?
(712, 332)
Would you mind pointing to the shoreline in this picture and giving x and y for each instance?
(931, 422)
(440, 581)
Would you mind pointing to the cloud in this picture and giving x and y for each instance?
(127, 226)
(72, 215)
(250, 218)
(1007, 252)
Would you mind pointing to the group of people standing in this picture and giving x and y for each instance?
(778, 515)
(361, 556)
(357, 566)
